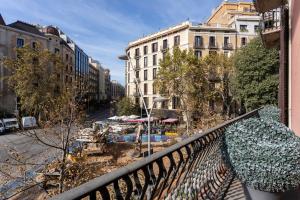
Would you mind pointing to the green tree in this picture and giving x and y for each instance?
(126, 107)
(220, 71)
(256, 75)
(182, 75)
(36, 78)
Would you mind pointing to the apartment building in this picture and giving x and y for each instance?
(15, 35)
(228, 35)
(56, 44)
(93, 83)
(107, 84)
(117, 90)
(101, 79)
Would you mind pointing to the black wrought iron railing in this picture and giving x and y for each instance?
(271, 20)
(192, 169)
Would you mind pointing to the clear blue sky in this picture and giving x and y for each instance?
(103, 28)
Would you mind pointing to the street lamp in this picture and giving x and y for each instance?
(156, 100)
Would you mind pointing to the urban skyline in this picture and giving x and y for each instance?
(115, 26)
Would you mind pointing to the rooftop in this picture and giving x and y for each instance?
(23, 26)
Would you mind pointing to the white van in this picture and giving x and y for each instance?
(11, 123)
(2, 129)
(29, 122)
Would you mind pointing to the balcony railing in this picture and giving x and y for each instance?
(164, 48)
(270, 27)
(213, 46)
(195, 168)
(271, 20)
(199, 46)
(227, 46)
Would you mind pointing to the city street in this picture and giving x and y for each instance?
(30, 151)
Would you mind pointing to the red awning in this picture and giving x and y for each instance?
(170, 120)
(141, 120)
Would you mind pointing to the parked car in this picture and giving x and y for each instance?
(11, 123)
(29, 122)
(2, 129)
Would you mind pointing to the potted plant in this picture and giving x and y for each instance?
(265, 155)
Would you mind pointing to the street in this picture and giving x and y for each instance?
(30, 151)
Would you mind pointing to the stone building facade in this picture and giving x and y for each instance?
(12, 36)
(215, 35)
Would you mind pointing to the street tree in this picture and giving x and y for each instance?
(181, 75)
(220, 72)
(36, 78)
(126, 107)
(256, 75)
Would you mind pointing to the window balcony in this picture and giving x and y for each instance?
(164, 48)
(227, 46)
(213, 46)
(137, 56)
(199, 46)
(195, 168)
(270, 27)
(135, 94)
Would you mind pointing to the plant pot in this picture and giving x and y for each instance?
(261, 195)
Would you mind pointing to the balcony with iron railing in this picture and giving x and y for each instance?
(195, 168)
(212, 45)
(270, 26)
(199, 45)
(227, 46)
(164, 48)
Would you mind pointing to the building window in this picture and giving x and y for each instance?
(165, 44)
(137, 52)
(145, 75)
(243, 28)
(175, 102)
(212, 41)
(154, 47)
(256, 28)
(137, 74)
(33, 45)
(154, 60)
(177, 40)
(146, 101)
(145, 61)
(137, 63)
(56, 50)
(20, 42)
(145, 50)
(128, 77)
(154, 73)
(198, 54)
(198, 41)
(145, 88)
(243, 41)
(226, 41)
(154, 88)
(67, 57)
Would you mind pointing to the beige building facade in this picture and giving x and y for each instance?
(12, 36)
(203, 38)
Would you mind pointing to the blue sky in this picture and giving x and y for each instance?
(103, 28)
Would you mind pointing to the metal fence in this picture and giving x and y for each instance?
(271, 20)
(195, 168)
